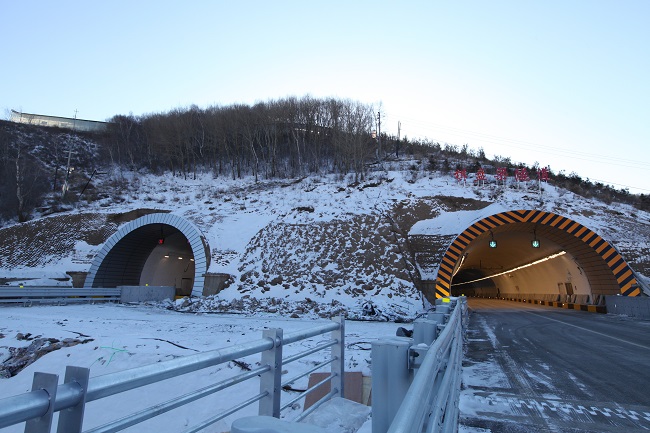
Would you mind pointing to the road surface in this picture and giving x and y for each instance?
(532, 368)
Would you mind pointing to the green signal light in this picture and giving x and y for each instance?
(535, 243)
(493, 243)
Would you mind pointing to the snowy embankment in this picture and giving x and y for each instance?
(276, 240)
(118, 337)
(319, 244)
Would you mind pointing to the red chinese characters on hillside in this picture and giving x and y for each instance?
(542, 174)
(480, 177)
(460, 175)
(521, 175)
(502, 174)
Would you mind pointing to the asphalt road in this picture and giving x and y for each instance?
(532, 368)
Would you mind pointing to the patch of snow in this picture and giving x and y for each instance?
(125, 337)
(339, 415)
(454, 223)
(486, 374)
(465, 429)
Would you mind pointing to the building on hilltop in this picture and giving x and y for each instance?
(59, 122)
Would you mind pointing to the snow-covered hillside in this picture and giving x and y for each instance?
(321, 240)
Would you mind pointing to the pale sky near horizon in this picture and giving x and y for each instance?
(564, 83)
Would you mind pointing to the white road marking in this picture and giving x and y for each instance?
(549, 408)
(592, 331)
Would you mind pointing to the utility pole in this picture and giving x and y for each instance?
(67, 175)
(399, 130)
(379, 133)
(74, 122)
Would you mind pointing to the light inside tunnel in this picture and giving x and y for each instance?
(536, 262)
(168, 264)
(590, 268)
(134, 255)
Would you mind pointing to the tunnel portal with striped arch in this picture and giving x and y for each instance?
(534, 254)
(158, 249)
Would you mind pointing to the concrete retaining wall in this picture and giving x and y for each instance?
(633, 306)
(78, 278)
(214, 283)
(147, 293)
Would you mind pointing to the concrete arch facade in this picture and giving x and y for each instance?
(123, 256)
(601, 259)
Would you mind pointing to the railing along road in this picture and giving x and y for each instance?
(36, 408)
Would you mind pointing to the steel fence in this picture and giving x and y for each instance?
(36, 408)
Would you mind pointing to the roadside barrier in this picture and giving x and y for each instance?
(416, 381)
(36, 408)
(58, 295)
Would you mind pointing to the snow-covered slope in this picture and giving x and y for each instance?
(322, 238)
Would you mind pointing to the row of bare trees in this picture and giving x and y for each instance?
(22, 177)
(280, 138)
(34, 162)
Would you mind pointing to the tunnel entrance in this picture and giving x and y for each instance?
(170, 263)
(533, 254)
(155, 250)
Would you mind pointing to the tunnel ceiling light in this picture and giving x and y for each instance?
(180, 258)
(535, 242)
(166, 256)
(493, 243)
(518, 268)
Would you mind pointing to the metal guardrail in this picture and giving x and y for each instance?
(37, 407)
(29, 295)
(416, 381)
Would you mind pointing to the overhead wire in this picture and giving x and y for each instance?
(529, 146)
(525, 144)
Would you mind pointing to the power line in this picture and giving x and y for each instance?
(525, 145)
(604, 182)
(533, 147)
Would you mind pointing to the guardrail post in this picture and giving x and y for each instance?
(48, 383)
(338, 353)
(445, 309)
(439, 318)
(391, 379)
(71, 419)
(424, 331)
(270, 382)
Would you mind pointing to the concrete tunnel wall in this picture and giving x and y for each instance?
(123, 256)
(590, 264)
(533, 281)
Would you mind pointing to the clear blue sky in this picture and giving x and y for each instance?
(565, 83)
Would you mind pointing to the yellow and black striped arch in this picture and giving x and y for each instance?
(622, 272)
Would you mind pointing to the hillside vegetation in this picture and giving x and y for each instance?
(45, 170)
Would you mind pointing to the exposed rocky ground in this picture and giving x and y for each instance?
(14, 359)
(323, 238)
